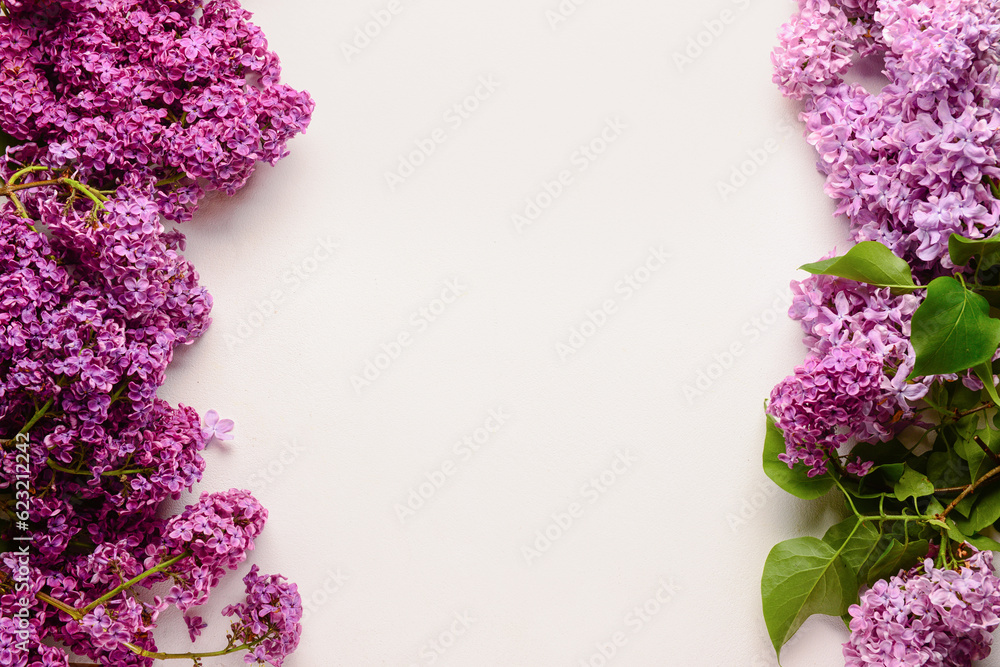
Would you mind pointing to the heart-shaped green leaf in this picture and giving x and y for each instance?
(951, 330)
(802, 577)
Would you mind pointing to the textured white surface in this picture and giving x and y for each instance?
(690, 508)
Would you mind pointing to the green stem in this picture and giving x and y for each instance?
(989, 452)
(86, 190)
(985, 406)
(118, 392)
(39, 413)
(21, 172)
(61, 606)
(109, 473)
(12, 187)
(131, 582)
(185, 656)
(846, 495)
(171, 179)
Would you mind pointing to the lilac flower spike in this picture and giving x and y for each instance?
(927, 617)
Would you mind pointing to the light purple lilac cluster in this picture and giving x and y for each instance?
(927, 617)
(125, 113)
(829, 400)
(914, 162)
(908, 165)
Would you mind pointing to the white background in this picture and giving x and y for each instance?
(693, 509)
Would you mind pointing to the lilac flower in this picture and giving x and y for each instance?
(911, 164)
(163, 93)
(834, 312)
(195, 624)
(927, 616)
(150, 103)
(216, 428)
(217, 532)
(828, 400)
(37, 655)
(268, 619)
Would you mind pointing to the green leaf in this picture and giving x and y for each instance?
(980, 464)
(793, 480)
(962, 249)
(985, 509)
(960, 396)
(984, 372)
(913, 485)
(5, 141)
(952, 331)
(983, 543)
(802, 577)
(947, 468)
(896, 557)
(859, 549)
(868, 262)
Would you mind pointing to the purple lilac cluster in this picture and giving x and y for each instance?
(123, 113)
(927, 617)
(829, 400)
(173, 96)
(914, 162)
(272, 610)
(822, 406)
(908, 165)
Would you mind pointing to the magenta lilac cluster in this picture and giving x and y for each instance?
(927, 617)
(177, 96)
(121, 115)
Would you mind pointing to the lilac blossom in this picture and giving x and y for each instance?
(268, 618)
(219, 429)
(829, 400)
(913, 163)
(123, 114)
(927, 616)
